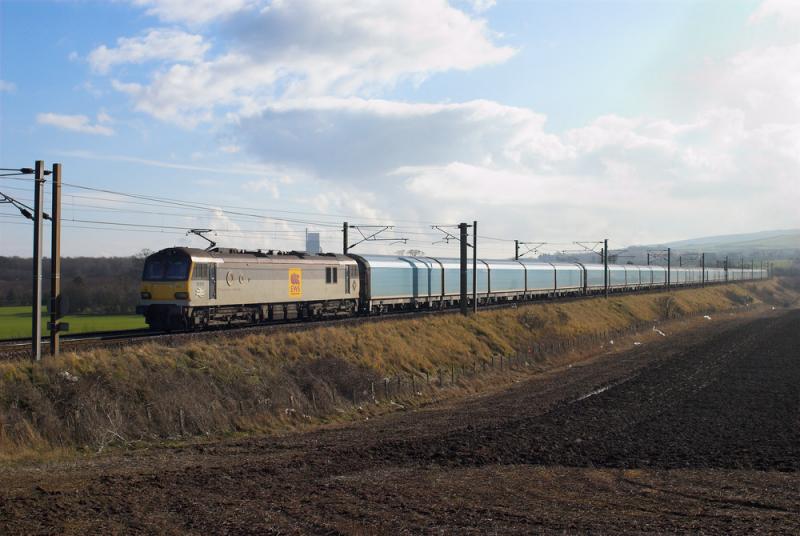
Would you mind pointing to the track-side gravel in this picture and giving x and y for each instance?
(695, 433)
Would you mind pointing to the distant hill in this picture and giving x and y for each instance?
(750, 247)
(787, 239)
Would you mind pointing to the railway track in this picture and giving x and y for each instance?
(24, 343)
(20, 348)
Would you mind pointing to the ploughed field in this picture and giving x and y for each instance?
(698, 432)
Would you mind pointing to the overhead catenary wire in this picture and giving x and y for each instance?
(495, 238)
(196, 204)
(156, 201)
(186, 215)
(25, 210)
(423, 246)
(100, 228)
(133, 226)
(192, 211)
(229, 231)
(171, 227)
(199, 206)
(95, 208)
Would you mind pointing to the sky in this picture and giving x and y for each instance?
(640, 121)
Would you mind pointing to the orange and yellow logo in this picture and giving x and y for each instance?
(295, 282)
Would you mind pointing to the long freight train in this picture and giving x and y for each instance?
(186, 288)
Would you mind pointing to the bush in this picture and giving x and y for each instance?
(737, 298)
(668, 307)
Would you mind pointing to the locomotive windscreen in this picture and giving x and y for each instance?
(166, 268)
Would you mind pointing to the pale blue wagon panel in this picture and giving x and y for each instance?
(392, 277)
(434, 275)
(452, 277)
(569, 276)
(645, 275)
(659, 274)
(632, 275)
(616, 276)
(506, 276)
(541, 276)
(594, 276)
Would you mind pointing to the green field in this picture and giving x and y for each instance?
(15, 322)
(783, 263)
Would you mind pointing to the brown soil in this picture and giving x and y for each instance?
(693, 433)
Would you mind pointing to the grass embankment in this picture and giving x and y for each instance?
(15, 322)
(257, 383)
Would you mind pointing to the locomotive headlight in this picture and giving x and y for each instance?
(181, 295)
(145, 295)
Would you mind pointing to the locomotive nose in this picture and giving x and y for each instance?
(164, 291)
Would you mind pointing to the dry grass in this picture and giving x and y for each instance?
(281, 381)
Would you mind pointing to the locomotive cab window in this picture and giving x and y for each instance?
(166, 269)
(153, 270)
(177, 270)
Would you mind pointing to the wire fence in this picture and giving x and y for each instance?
(307, 391)
(404, 386)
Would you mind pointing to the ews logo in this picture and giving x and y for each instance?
(295, 282)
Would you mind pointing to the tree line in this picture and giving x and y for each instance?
(96, 285)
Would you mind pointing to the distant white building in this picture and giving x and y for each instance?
(312, 243)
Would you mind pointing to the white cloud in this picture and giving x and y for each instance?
(192, 11)
(230, 149)
(308, 48)
(7, 87)
(156, 44)
(458, 181)
(240, 169)
(76, 123)
(786, 12)
(479, 6)
(354, 202)
(90, 88)
(763, 82)
(266, 185)
(299, 82)
(186, 95)
(358, 139)
(484, 158)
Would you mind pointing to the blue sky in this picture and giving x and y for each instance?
(545, 120)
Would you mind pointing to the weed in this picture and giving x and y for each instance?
(668, 307)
